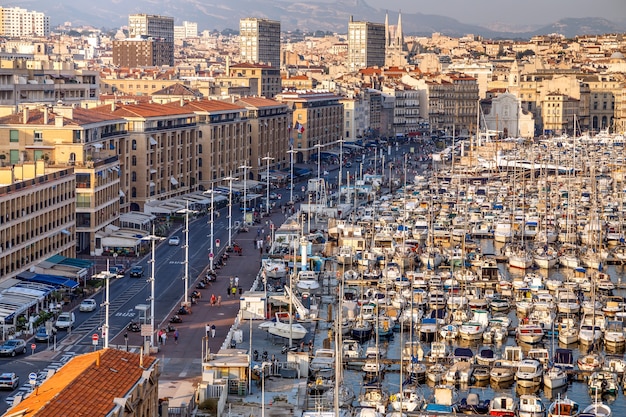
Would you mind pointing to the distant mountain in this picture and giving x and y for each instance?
(311, 15)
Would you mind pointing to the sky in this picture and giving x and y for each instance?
(518, 12)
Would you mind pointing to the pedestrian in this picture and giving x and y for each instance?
(219, 300)
(228, 291)
(234, 291)
(236, 281)
(261, 250)
(213, 300)
(213, 330)
(208, 329)
(164, 338)
(160, 336)
(240, 291)
(176, 336)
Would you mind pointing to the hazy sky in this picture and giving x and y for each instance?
(520, 12)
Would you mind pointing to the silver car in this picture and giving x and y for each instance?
(12, 347)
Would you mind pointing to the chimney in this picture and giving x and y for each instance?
(45, 116)
(98, 360)
(26, 115)
(58, 120)
(182, 102)
(113, 106)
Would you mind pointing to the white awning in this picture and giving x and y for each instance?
(97, 145)
(152, 184)
(122, 194)
(153, 171)
(173, 181)
(153, 141)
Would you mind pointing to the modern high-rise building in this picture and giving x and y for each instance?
(187, 30)
(366, 44)
(159, 28)
(260, 41)
(18, 22)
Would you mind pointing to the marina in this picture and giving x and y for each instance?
(497, 284)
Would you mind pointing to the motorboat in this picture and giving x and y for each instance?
(409, 399)
(350, 348)
(282, 328)
(531, 405)
(529, 373)
(473, 404)
(564, 407)
(346, 255)
(602, 383)
(530, 333)
(307, 281)
(597, 409)
(589, 362)
(323, 362)
(373, 396)
(362, 330)
(444, 400)
(555, 377)
(501, 374)
(274, 268)
(503, 405)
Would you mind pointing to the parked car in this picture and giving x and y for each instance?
(43, 335)
(65, 321)
(136, 271)
(174, 241)
(9, 380)
(88, 304)
(12, 347)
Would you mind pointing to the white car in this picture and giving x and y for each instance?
(88, 304)
(65, 321)
(174, 241)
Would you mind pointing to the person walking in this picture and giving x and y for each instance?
(234, 291)
(160, 336)
(219, 300)
(213, 300)
(164, 338)
(228, 291)
(208, 329)
(236, 281)
(176, 336)
(213, 330)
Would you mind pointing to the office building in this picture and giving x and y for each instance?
(366, 44)
(260, 41)
(141, 52)
(16, 22)
(159, 28)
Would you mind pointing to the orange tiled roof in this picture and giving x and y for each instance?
(208, 106)
(80, 117)
(259, 102)
(84, 387)
(142, 110)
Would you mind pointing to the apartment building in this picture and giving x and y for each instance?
(406, 109)
(90, 142)
(317, 121)
(186, 30)
(223, 142)
(37, 215)
(270, 123)
(158, 158)
(259, 41)
(24, 81)
(16, 22)
(141, 52)
(159, 28)
(268, 78)
(366, 44)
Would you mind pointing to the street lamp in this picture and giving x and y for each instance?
(268, 158)
(152, 238)
(211, 219)
(319, 148)
(186, 211)
(291, 152)
(230, 209)
(245, 192)
(340, 169)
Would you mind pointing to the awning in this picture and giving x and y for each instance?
(173, 181)
(152, 184)
(153, 141)
(153, 171)
(97, 145)
(57, 281)
(122, 194)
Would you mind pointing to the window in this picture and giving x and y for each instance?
(38, 136)
(133, 161)
(134, 145)
(133, 176)
(15, 136)
(200, 148)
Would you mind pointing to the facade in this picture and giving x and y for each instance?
(406, 111)
(141, 52)
(356, 112)
(160, 28)
(260, 41)
(270, 123)
(16, 22)
(90, 142)
(269, 79)
(317, 121)
(40, 82)
(38, 207)
(505, 115)
(158, 159)
(366, 45)
(106, 382)
(223, 143)
(558, 113)
(187, 30)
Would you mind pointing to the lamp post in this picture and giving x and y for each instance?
(267, 158)
(291, 152)
(248, 309)
(245, 192)
(230, 209)
(211, 220)
(319, 159)
(152, 238)
(105, 328)
(340, 169)
(186, 211)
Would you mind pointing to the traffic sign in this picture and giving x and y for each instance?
(33, 346)
(211, 255)
(217, 243)
(32, 376)
(94, 339)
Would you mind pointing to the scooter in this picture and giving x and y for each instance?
(176, 319)
(196, 294)
(170, 328)
(287, 348)
(201, 285)
(133, 327)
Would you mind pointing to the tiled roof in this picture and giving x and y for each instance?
(209, 105)
(142, 110)
(86, 385)
(177, 89)
(80, 117)
(258, 102)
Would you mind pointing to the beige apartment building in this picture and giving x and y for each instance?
(269, 79)
(158, 158)
(37, 215)
(317, 121)
(270, 122)
(89, 142)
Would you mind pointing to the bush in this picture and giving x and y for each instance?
(209, 405)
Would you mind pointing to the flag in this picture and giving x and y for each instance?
(299, 128)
